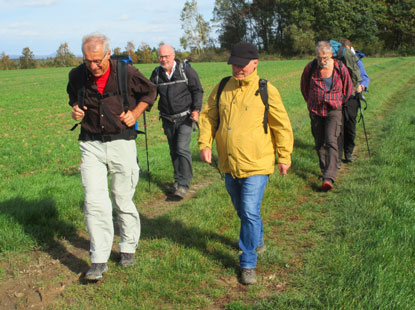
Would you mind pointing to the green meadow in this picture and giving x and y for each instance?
(351, 248)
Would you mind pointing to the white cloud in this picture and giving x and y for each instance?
(124, 17)
(38, 3)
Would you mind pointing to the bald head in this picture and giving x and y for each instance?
(166, 57)
(166, 49)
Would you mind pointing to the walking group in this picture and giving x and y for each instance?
(244, 114)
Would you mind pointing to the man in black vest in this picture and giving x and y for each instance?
(107, 143)
(180, 102)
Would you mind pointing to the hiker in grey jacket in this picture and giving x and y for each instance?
(180, 102)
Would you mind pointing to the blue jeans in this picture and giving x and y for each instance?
(246, 195)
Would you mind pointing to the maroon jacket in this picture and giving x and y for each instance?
(102, 116)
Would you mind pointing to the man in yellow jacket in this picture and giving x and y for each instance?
(246, 151)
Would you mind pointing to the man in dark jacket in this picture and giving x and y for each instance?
(107, 143)
(180, 102)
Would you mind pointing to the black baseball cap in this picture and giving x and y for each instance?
(242, 53)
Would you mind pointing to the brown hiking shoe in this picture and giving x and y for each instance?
(248, 276)
(180, 192)
(261, 249)
(95, 272)
(127, 259)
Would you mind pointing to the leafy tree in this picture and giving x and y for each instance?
(301, 42)
(5, 63)
(230, 18)
(264, 22)
(64, 57)
(27, 59)
(130, 51)
(117, 51)
(144, 53)
(397, 23)
(196, 29)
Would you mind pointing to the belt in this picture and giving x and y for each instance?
(174, 117)
(127, 134)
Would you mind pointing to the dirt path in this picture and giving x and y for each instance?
(36, 279)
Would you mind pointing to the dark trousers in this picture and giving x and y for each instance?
(326, 131)
(178, 135)
(346, 141)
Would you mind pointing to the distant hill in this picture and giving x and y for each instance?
(16, 57)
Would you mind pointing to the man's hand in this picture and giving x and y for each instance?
(360, 88)
(206, 155)
(128, 118)
(77, 113)
(283, 168)
(195, 116)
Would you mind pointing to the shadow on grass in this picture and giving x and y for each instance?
(40, 221)
(190, 237)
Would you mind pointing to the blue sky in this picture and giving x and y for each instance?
(42, 25)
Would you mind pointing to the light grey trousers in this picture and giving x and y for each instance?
(118, 159)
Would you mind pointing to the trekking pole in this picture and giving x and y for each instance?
(215, 164)
(361, 98)
(148, 163)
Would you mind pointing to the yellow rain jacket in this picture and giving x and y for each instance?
(243, 146)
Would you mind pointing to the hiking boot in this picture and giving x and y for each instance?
(127, 259)
(248, 276)
(261, 249)
(173, 188)
(327, 185)
(95, 272)
(349, 158)
(180, 192)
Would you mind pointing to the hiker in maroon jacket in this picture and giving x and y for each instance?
(326, 85)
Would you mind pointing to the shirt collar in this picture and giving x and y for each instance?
(169, 76)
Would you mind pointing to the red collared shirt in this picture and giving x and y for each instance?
(319, 99)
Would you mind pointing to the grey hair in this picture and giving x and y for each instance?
(323, 47)
(96, 37)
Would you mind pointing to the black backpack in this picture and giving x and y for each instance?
(262, 90)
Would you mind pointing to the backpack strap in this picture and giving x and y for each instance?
(182, 71)
(263, 91)
(81, 89)
(122, 76)
(222, 84)
(220, 88)
(81, 93)
(157, 75)
(313, 67)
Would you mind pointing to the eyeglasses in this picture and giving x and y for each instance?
(96, 62)
(164, 56)
(327, 58)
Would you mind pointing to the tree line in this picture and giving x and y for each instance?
(280, 28)
(292, 27)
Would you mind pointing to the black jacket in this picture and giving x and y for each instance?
(178, 97)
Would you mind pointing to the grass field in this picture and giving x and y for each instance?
(352, 248)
